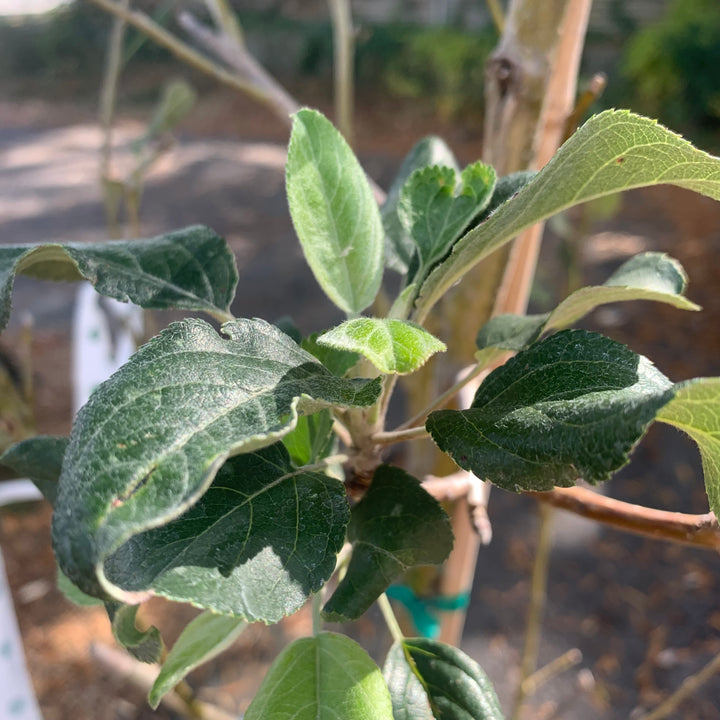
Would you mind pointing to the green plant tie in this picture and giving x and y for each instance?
(424, 611)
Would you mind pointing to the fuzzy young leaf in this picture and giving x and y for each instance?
(395, 526)
(571, 406)
(149, 441)
(338, 362)
(457, 687)
(392, 346)
(190, 269)
(613, 151)
(256, 545)
(144, 645)
(40, 459)
(311, 440)
(695, 409)
(648, 276)
(205, 637)
(332, 678)
(399, 247)
(334, 213)
(434, 212)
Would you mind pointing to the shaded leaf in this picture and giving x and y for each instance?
(338, 362)
(312, 438)
(395, 526)
(392, 346)
(40, 459)
(434, 212)
(615, 150)
(205, 637)
(399, 247)
(150, 440)
(695, 409)
(456, 685)
(261, 539)
(571, 406)
(190, 269)
(334, 213)
(332, 678)
(144, 645)
(73, 593)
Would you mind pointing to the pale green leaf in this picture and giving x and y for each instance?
(327, 677)
(613, 151)
(190, 269)
(256, 545)
(334, 212)
(695, 409)
(73, 593)
(311, 440)
(204, 638)
(457, 687)
(571, 406)
(392, 346)
(150, 440)
(648, 276)
(144, 645)
(396, 525)
(434, 212)
(399, 247)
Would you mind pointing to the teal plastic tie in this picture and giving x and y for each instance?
(424, 611)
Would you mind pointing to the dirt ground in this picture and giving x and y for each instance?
(644, 614)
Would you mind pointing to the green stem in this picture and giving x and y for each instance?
(343, 43)
(317, 621)
(390, 619)
(396, 436)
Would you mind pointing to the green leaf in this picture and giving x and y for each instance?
(144, 645)
(695, 409)
(40, 459)
(399, 247)
(327, 677)
(615, 150)
(205, 637)
(648, 276)
(338, 362)
(505, 187)
(456, 685)
(256, 545)
(434, 212)
(334, 212)
(73, 593)
(191, 269)
(150, 440)
(395, 526)
(392, 346)
(571, 406)
(311, 440)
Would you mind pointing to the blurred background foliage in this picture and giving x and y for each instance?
(662, 58)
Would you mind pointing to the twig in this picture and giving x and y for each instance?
(593, 90)
(143, 676)
(548, 672)
(698, 530)
(498, 15)
(538, 594)
(390, 619)
(689, 686)
(343, 44)
(226, 20)
(396, 436)
(181, 50)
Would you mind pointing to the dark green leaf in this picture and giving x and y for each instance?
(334, 213)
(73, 593)
(571, 406)
(144, 645)
(327, 677)
(392, 346)
(612, 151)
(395, 526)
(511, 332)
(434, 212)
(505, 188)
(457, 686)
(191, 269)
(260, 540)
(204, 638)
(40, 459)
(150, 440)
(695, 409)
(399, 247)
